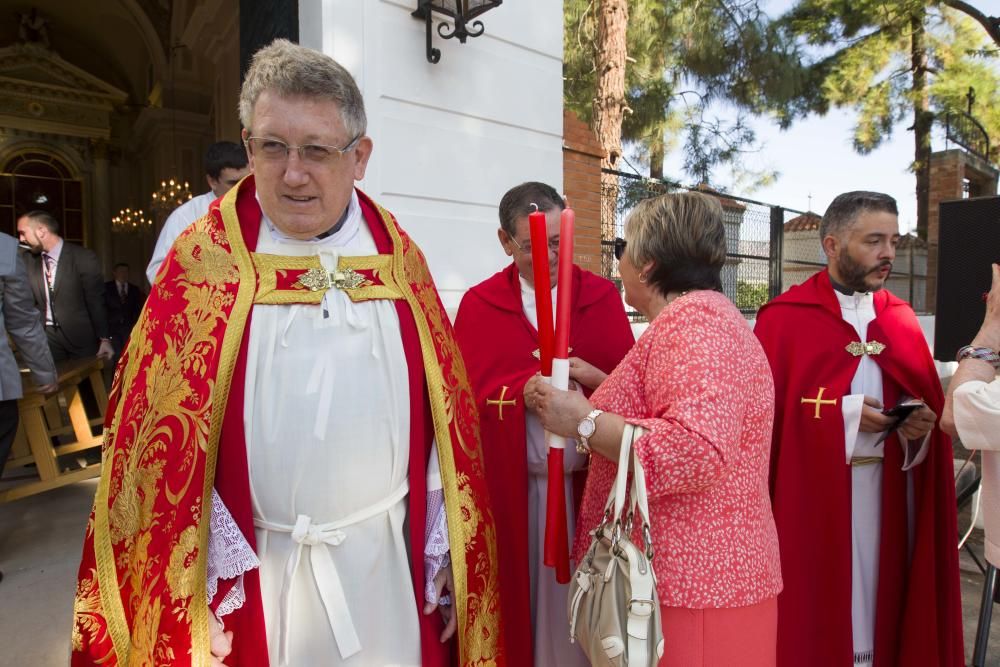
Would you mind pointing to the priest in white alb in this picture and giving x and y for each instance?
(292, 468)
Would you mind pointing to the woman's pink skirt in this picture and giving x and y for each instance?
(729, 637)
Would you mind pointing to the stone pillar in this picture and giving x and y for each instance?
(582, 156)
(99, 237)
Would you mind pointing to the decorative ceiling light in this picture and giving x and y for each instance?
(461, 11)
(129, 220)
(171, 194)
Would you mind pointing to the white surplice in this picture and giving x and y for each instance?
(549, 619)
(858, 310)
(327, 430)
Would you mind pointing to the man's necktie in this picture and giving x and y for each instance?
(121, 292)
(50, 269)
(49, 266)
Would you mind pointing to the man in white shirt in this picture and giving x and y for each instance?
(225, 165)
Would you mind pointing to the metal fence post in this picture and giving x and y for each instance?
(913, 270)
(777, 250)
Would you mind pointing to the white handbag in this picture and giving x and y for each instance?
(614, 612)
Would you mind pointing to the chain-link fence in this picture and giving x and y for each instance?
(769, 247)
(753, 236)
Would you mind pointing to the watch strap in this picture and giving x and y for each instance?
(583, 442)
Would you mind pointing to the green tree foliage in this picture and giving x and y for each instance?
(895, 63)
(751, 296)
(683, 57)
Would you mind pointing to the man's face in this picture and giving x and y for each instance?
(227, 179)
(121, 274)
(861, 257)
(304, 198)
(522, 238)
(27, 232)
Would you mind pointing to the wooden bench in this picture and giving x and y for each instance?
(56, 426)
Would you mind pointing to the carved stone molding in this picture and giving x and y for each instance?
(41, 91)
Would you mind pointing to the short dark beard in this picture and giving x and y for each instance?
(853, 274)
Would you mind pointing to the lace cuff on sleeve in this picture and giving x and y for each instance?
(436, 548)
(229, 556)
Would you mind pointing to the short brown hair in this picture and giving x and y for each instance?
(683, 236)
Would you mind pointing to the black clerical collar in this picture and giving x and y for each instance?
(337, 227)
(846, 291)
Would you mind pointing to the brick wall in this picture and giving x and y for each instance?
(947, 172)
(582, 186)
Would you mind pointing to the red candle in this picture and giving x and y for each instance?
(565, 286)
(543, 288)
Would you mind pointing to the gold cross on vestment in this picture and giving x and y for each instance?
(500, 402)
(819, 402)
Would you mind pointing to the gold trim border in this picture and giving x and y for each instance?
(104, 556)
(268, 265)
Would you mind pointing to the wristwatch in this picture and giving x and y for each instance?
(981, 353)
(585, 429)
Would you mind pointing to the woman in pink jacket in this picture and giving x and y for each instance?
(698, 382)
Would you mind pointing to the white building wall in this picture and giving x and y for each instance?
(451, 138)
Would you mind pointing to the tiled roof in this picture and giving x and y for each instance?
(807, 222)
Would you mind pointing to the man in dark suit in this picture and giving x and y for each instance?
(124, 301)
(66, 282)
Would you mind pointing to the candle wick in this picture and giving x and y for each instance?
(535, 206)
(566, 200)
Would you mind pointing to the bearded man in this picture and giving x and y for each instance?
(864, 501)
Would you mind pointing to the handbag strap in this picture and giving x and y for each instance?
(616, 497)
(639, 499)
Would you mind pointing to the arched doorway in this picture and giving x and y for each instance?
(38, 180)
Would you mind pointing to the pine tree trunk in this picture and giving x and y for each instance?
(609, 100)
(922, 119)
(657, 153)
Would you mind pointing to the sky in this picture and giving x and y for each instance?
(816, 162)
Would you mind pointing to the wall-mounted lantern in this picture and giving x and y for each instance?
(462, 11)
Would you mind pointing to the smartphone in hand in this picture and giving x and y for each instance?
(900, 411)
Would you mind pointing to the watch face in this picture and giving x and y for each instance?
(586, 428)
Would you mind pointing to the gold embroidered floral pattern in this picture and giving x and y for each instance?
(204, 261)
(86, 611)
(181, 571)
(482, 635)
(156, 448)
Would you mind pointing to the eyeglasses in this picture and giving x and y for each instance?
(277, 151)
(619, 248)
(526, 248)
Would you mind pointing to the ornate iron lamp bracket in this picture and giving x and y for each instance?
(463, 13)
